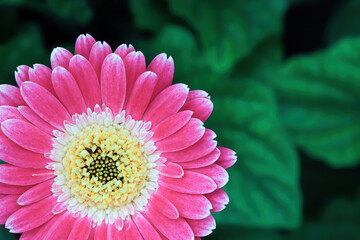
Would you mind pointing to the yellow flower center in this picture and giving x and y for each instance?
(105, 166)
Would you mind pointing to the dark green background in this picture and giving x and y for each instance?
(284, 77)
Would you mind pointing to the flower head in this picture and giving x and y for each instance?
(103, 147)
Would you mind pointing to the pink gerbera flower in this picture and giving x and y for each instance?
(103, 147)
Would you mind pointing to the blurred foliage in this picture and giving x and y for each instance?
(218, 34)
(29, 50)
(345, 21)
(265, 185)
(6, 235)
(229, 30)
(267, 108)
(244, 234)
(78, 10)
(340, 220)
(318, 97)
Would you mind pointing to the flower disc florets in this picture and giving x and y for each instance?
(105, 165)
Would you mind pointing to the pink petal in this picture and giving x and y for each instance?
(23, 176)
(113, 83)
(2, 195)
(163, 206)
(87, 80)
(227, 157)
(203, 147)
(68, 91)
(170, 125)
(36, 193)
(197, 94)
(132, 231)
(84, 44)
(60, 57)
(81, 229)
(140, 98)
(8, 206)
(18, 156)
(10, 95)
(8, 112)
(98, 53)
(216, 173)
(22, 74)
(124, 50)
(12, 189)
(202, 227)
(145, 228)
(41, 75)
(191, 182)
(164, 68)
(167, 103)
(135, 65)
(32, 117)
(201, 107)
(203, 161)
(171, 170)
(162, 236)
(92, 234)
(184, 138)
(101, 232)
(32, 216)
(170, 228)
(39, 232)
(218, 200)
(29, 235)
(198, 209)
(27, 135)
(43, 103)
(113, 233)
(61, 228)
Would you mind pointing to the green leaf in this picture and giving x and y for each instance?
(149, 15)
(179, 43)
(263, 187)
(267, 55)
(343, 209)
(29, 49)
(319, 97)
(328, 231)
(77, 10)
(231, 233)
(230, 29)
(340, 220)
(294, 2)
(14, 2)
(345, 21)
(9, 16)
(5, 234)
